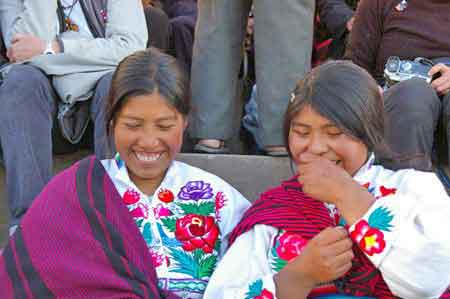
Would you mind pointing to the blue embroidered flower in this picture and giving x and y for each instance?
(196, 190)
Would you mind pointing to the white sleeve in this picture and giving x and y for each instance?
(234, 206)
(39, 18)
(244, 271)
(406, 236)
(126, 33)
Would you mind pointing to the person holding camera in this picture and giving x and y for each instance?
(407, 30)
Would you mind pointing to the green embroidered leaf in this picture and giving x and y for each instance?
(198, 255)
(147, 234)
(381, 219)
(277, 263)
(254, 290)
(184, 263)
(206, 208)
(218, 245)
(169, 223)
(139, 223)
(203, 208)
(207, 266)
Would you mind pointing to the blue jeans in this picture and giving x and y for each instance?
(28, 110)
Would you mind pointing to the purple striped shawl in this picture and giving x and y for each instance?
(286, 207)
(78, 240)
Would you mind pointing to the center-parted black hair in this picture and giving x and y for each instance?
(144, 73)
(345, 94)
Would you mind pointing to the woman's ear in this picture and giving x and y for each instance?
(185, 122)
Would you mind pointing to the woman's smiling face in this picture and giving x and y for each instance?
(312, 133)
(148, 133)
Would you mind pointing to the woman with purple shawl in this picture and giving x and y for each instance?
(140, 225)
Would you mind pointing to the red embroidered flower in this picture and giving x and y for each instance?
(387, 191)
(265, 294)
(291, 245)
(157, 259)
(165, 195)
(197, 232)
(131, 197)
(219, 203)
(369, 239)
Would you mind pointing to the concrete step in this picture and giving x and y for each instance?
(248, 174)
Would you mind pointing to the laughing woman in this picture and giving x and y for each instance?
(140, 225)
(342, 226)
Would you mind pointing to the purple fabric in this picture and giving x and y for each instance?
(78, 240)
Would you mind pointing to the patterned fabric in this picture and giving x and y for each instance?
(78, 241)
(185, 223)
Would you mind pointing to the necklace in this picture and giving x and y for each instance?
(69, 24)
(70, 6)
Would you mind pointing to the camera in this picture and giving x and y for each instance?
(397, 70)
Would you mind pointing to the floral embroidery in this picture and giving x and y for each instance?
(195, 264)
(219, 203)
(370, 189)
(291, 245)
(196, 190)
(370, 240)
(265, 294)
(197, 232)
(287, 247)
(387, 191)
(165, 195)
(161, 211)
(383, 191)
(140, 212)
(130, 197)
(157, 259)
(119, 161)
(369, 235)
(256, 291)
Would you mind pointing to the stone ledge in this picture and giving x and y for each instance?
(248, 174)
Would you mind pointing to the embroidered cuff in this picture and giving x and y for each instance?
(375, 232)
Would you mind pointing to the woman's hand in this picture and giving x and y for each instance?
(328, 182)
(323, 179)
(325, 258)
(441, 84)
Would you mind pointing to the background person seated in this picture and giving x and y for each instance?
(407, 29)
(64, 54)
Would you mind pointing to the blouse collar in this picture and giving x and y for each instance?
(366, 166)
(120, 173)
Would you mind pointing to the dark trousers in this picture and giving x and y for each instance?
(413, 111)
(28, 109)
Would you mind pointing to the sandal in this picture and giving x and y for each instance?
(276, 152)
(204, 149)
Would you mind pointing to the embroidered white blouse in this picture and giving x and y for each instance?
(185, 223)
(405, 234)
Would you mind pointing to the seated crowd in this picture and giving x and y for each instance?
(364, 216)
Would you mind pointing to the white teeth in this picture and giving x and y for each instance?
(148, 158)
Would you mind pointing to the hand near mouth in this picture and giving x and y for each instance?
(321, 178)
(325, 180)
